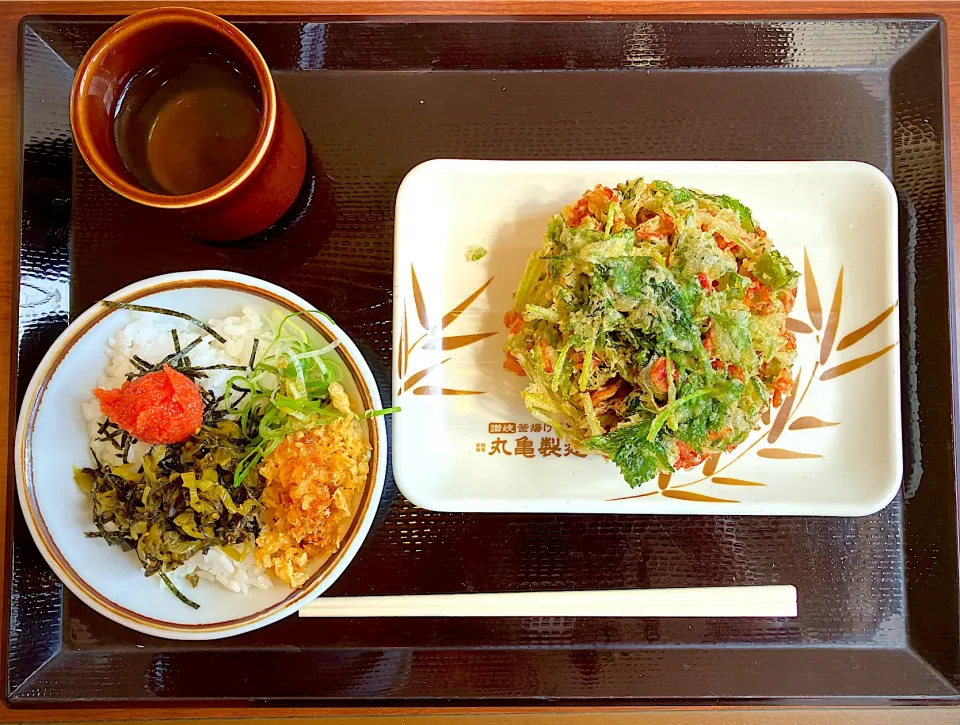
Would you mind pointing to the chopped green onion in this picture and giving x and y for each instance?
(284, 388)
(611, 212)
(383, 411)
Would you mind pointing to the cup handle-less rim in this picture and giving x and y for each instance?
(121, 32)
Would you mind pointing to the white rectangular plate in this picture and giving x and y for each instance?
(465, 442)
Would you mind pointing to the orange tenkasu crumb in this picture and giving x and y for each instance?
(311, 478)
(160, 407)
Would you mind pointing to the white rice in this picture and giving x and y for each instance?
(148, 337)
(215, 566)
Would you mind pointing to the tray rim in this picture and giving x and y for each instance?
(868, 700)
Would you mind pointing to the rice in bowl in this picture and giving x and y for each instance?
(252, 378)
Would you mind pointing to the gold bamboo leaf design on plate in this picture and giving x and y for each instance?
(710, 465)
(402, 351)
(459, 309)
(833, 322)
(848, 367)
(638, 495)
(452, 342)
(783, 453)
(814, 309)
(694, 496)
(798, 326)
(437, 390)
(663, 480)
(808, 421)
(783, 415)
(418, 299)
(434, 341)
(420, 375)
(861, 332)
(723, 481)
(796, 406)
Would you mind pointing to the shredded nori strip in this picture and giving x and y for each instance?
(126, 440)
(109, 431)
(177, 593)
(163, 311)
(175, 357)
(219, 366)
(176, 340)
(141, 363)
(244, 392)
(108, 428)
(113, 441)
(211, 413)
(173, 360)
(253, 353)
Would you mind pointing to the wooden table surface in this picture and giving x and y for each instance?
(10, 13)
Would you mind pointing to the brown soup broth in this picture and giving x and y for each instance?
(187, 123)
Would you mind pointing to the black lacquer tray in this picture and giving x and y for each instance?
(878, 596)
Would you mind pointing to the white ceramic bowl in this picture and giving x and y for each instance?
(52, 439)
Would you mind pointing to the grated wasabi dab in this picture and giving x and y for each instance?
(652, 326)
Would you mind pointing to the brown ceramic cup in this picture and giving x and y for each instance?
(268, 180)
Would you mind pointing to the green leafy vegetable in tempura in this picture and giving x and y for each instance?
(652, 326)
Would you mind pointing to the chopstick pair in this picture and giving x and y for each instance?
(734, 601)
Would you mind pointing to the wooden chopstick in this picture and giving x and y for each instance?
(734, 601)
